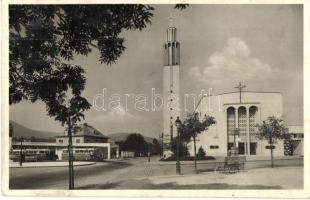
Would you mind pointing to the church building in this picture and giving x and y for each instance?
(237, 114)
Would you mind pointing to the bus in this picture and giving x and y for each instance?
(85, 154)
(32, 155)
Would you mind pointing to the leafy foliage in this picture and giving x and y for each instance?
(183, 150)
(201, 153)
(193, 126)
(44, 40)
(156, 147)
(135, 142)
(181, 6)
(272, 129)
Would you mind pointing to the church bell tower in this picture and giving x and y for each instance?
(171, 85)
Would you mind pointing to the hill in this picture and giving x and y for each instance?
(44, 136)
(47, 136)
(123, 136)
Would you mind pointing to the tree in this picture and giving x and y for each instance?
(135, 142)
(43, 40)
(156, 147)
(193, 126)
(201, 153)
(272, 129)
(183, 150)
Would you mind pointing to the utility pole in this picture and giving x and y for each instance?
(240, 87)
(21, 152)
(171, 131)
(161, 140)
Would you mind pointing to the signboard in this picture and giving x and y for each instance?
(272, 147)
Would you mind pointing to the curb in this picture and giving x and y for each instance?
(42, 166)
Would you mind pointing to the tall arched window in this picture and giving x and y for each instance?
(230, 126)
(253, 120)
(242, 122)
(230, 121)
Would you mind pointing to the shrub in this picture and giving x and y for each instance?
(201, 153)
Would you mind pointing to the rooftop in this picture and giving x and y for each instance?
(86, 130)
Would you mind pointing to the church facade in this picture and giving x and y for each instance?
(236, 117)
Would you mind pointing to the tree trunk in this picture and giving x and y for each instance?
(271, 149)
(70, 151)
(195, 161)
(271, 152)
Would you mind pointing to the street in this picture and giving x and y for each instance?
(137, 173)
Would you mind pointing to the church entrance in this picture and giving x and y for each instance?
(241, 148)
(253, 146)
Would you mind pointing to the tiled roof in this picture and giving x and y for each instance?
(87, 130)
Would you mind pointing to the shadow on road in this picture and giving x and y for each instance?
(36, 178)
(146, 184)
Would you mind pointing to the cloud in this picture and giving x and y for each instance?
(233, 63)
(113, 115)
(116, 114)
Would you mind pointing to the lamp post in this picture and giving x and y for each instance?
(21, 152)
(236, 142)
(178, 125)
(236, 133)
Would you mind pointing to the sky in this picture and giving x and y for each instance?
(260, 45)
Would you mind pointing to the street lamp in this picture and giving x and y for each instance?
(178, 124)
(236, 142)
(236, 133)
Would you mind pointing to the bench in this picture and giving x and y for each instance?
(232, 164)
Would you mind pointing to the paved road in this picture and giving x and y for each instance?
(57, 177)
(115, 174)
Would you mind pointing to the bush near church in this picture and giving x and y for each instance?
(201, 153)
(184, 153)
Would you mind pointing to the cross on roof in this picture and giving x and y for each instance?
(240, 87)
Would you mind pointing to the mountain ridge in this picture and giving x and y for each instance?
(48, 136)
(23, 131)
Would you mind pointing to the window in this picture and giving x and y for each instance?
(61, 141)
(77, 141)
(214, 146)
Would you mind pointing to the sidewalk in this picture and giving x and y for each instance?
(263, 178)
(48, 164)
(222, 158)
